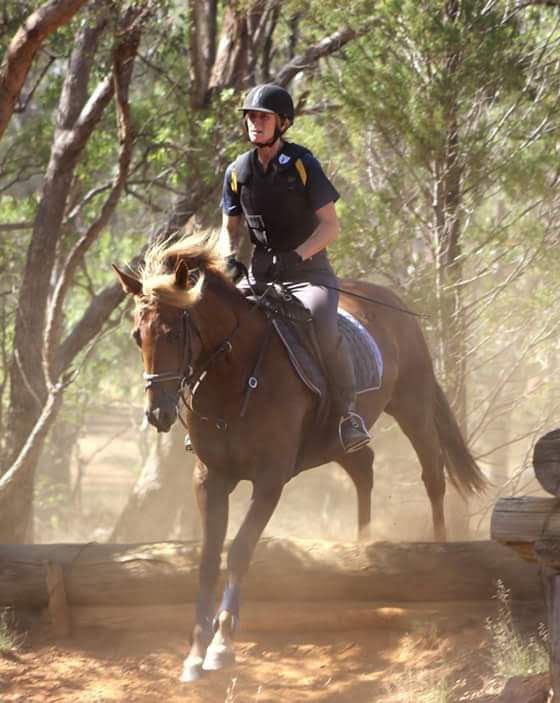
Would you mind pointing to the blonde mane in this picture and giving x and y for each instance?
(202, 253)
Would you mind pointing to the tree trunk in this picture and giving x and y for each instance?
(27, 384)
(34, 375)
(448, 219)
(16, 485)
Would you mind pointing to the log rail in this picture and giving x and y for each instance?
(282, 570)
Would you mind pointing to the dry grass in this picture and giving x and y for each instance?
(10, 639)
(512, 653)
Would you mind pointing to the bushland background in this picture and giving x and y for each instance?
(438, 125)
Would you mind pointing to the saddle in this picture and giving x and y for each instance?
(290, 320)
(278, 302)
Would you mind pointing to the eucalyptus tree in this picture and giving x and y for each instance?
(36, 366)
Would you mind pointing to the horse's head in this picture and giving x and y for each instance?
(165, 335)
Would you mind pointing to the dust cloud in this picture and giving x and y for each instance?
(318, 504)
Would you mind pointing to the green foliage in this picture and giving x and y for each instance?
(383, 116)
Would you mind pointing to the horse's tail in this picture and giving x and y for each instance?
(462, 469)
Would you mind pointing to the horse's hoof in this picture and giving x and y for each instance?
(218, 656)
(192, 670)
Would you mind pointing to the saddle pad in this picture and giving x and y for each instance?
(366, 355)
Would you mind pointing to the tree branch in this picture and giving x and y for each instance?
(123, 58)
(15, 226)
(327, 46)
(23, 48)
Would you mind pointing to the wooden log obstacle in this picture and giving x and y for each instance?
(293, 584)
(531, 527)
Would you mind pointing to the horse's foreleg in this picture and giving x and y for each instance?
(212, 493)
(266, 493)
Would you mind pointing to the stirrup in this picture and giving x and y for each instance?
(352, 432)
(187, 443)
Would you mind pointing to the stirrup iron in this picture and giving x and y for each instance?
(352, 432)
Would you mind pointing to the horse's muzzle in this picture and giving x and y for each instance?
(162, 418)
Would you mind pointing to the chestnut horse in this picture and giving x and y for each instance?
(198, 333)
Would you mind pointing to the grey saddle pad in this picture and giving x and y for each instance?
(366, 355)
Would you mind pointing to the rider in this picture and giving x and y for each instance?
(288, 204)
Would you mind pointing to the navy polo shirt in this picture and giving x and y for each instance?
(319, 190)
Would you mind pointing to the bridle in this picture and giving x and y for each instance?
(188, 379)
(186, 370)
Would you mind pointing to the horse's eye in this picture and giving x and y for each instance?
(136, 337)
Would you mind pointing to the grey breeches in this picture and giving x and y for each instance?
(322, 302)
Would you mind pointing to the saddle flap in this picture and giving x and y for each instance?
(366, 355)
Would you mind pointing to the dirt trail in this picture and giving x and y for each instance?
(391, 665)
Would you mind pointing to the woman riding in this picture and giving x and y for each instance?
(288, 203)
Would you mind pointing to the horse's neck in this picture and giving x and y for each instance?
(222, 311)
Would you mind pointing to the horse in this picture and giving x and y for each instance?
(199, 334)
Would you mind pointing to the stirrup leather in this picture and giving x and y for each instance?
(352, 432)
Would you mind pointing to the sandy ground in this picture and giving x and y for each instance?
(391, 665)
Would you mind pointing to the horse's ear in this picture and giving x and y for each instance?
(181, 274)
(129, 283)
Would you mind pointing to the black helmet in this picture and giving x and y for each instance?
(270, 98)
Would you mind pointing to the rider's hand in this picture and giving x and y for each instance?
(284, 263)
(235, 268)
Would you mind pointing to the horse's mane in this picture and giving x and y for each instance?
(202, 253)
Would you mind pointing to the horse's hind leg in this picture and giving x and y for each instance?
(420, 429)
(359, 466)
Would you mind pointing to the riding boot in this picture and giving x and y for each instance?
(351, 430)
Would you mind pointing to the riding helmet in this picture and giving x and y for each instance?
(270, 98)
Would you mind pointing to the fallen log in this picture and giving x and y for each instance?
(327, 616)
(282, 570)
(523, 523)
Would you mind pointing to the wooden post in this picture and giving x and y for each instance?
(58, 607)
(551, 583)
(546, 462)
(531, 526)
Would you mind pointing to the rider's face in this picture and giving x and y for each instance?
(261, 126)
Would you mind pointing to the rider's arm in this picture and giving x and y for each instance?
(321, 196)
(230, 233)
(326, 231)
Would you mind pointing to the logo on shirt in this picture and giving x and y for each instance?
(283, 159)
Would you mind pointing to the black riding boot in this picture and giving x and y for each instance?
(351, 430)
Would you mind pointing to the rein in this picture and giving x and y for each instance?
(377, 302)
